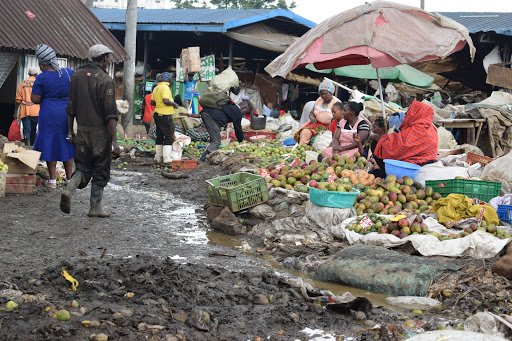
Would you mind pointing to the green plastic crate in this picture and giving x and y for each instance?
(237, 191)
(482, 190)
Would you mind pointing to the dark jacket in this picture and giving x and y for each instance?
(228, 113)
(92, 97)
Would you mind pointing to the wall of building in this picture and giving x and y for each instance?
(151, 4)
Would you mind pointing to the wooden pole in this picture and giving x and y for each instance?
(230, 52)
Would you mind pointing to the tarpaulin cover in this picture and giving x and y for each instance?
(378, 269)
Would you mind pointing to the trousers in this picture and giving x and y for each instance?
(164, 129)
(93, 155)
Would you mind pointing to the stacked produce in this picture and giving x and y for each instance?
(339, 174)
(141, 145)
(194, 149)
(392, 195)
(267, 154)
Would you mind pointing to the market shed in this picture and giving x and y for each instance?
(68, 26)
(251, 34)
(489, 31)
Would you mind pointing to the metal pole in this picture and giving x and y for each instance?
(130, 44)
(381, 94)
(230, 52)
(422, 4)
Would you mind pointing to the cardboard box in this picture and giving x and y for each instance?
(191, 60)
(19, 160)
(499, 75)
(20, 183)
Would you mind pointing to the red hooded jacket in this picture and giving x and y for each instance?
(417, 140)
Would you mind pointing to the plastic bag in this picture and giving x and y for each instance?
(322, 140)
(177, 150)
(225, 80)
(499, 170)
(437, 171)
(14, 131)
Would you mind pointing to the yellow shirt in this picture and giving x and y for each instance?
(161, 91)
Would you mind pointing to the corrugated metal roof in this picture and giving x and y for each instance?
(499, 22)
(68, 26)
(223, 18)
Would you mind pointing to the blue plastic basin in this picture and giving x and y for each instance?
(401, 168)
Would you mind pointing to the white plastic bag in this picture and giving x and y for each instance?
(177, 150)
(185, 139)
(225, 80)
(322, 141)
(499, 170)
(437, 171)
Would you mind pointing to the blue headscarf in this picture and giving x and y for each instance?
(46, 56)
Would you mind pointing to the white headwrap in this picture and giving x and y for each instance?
(46, 56)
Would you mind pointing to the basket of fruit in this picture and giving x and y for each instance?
(237, 191)
(332, 195)
(401, 168)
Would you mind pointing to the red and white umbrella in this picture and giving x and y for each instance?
(380, 33)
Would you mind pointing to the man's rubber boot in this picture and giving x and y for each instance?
(97, 209)
(159, 154)
(69, 191)
(167, 152)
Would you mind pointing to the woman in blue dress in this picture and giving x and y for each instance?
(51, 90)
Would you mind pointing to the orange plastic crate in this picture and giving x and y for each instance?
(183, 165)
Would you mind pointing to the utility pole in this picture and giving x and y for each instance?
(130, 44)
(422, 4)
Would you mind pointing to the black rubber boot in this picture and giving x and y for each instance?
(69, 191)
(97, 209)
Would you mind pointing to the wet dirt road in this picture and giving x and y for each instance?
(148, 219)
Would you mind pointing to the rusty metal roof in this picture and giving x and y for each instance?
(68, 26)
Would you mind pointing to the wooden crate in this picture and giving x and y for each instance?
(500, 75)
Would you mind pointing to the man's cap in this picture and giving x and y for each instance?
(33, 70)
(166, 76)
(98, 50)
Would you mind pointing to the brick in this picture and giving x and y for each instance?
(23, 179)
(20, 189)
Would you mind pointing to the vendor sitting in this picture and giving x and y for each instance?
(320, 116)
(417, 140)
(343, 142)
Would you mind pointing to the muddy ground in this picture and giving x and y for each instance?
(156, 245)
(185, 285)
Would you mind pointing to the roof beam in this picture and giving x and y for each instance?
(167, 27)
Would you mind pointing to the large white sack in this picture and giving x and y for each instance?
(499, 170)
(438, 171)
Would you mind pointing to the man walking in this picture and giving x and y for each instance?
(164, 108)
(92, 103)
(29, 111)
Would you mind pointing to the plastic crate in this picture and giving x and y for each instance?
(333, 199)
(183, 165)
(482, 190)
(505, 213)
(237, 191)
